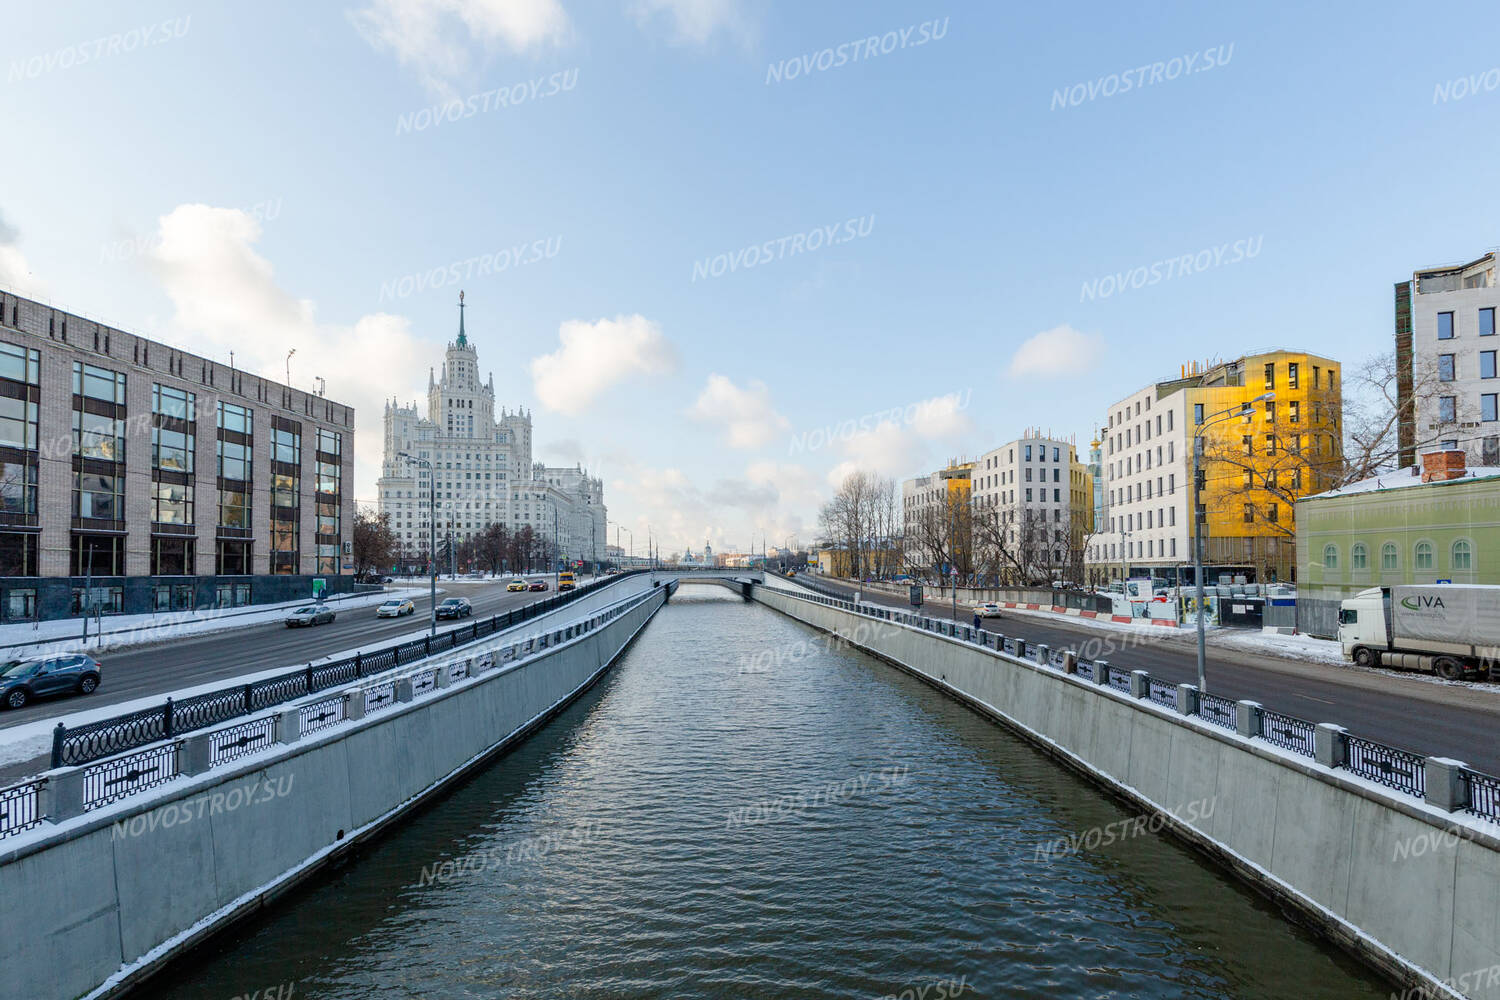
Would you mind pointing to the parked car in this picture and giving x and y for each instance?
(987, 609)
(395, 608)
(455, 607)
(310, 614)
(39, 676)
(515, 585)
(538, 585)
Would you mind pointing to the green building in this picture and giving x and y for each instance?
(1440, 525)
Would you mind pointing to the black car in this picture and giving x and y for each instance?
(37, 676)
(455, 607)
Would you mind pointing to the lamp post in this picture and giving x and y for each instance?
(432, 533)
(1200, 518)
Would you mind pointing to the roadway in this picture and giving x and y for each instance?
(163, 667)
(1445, 720)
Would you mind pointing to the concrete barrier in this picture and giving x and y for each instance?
(1407, 887)
(95, 904)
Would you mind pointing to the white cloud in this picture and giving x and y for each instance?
(1061, 350)
(904, 448)
(226, 298)
(594, 356)
(695, 22)
(436, 38)
(748, 418)
(733, 512)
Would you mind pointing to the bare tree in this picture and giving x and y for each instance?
(374, 543)
(1373, 413)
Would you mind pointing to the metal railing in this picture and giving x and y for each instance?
(1400, 769)
(1118, 679)
(245, 738)
(1161, 692)
(106, 737)
(1481, 794)
(20, 807)
(1288, 732)
(115, 779)
(321, 714)
(1219, 711)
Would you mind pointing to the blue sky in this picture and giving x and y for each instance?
(256, 178)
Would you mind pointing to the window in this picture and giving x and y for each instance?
(1423, 554)
(1358, 556)
(1389, 559)
(1270, 376)
(1487, 322)
(1463, 555)
(18, 419)
(1486, 364)
(97, 555)
(1249, 513)
(1291, 375)
(172, 450)
(233, 559)
(286, 446)
(173, 504)
(1271, 412)
(1294, 411)
(1445, 368)
(1448, 409)
(17, 554)
(98, 383)
(1330, 557)
(234, 508)
(1270, 444)
(1197, 413)
(172, 556)
(172, 402)
(20, 365)
(234, 461)
(1491, 451)
(18, 488)
(1487, 409)
(1445, 326)
(1273, 513)
(234, 418)
(101, 497)
(1249, 443)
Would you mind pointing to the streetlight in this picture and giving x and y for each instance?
(289, 365)
(431, 528)
(1200, 518)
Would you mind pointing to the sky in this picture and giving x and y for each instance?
(727, 251)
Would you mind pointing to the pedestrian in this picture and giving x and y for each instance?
(976, 621)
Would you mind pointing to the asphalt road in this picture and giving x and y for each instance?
(185, 662)
(1403, 711)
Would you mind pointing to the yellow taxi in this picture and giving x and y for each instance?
(515, 585)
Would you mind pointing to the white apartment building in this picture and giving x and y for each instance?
(483, 469)
(1146, 458)
(1026, 485)
(1447, 349)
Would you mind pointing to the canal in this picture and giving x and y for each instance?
(739, 810)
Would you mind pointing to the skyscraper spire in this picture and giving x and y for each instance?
(463, 341)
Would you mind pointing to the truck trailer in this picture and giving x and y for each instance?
(1452, 630)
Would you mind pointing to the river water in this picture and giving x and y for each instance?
(739, 810)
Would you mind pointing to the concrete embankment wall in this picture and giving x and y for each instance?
(1409, 888)
(96, 905)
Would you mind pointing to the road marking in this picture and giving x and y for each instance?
(1311, 698)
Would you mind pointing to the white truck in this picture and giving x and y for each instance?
(1449, 629)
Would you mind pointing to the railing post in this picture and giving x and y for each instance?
(1043, 654)
(57, 745)
(1070, 661)
(167, 713)
(289, 726)
(1331, 745)
(1140, 684)
(427, 641)
(61, 798)
(359, 667)
(1247, 718)
(404, 689)
(1021, 648)
(1101, 673)
(443, 677)
(1187, 699)
(196, 754)
(354, 704)
(245, 699)
(1446, 787)
(308, 686)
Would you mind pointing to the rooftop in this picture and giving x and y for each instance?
(1403, 479)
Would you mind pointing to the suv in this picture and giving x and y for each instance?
(455, 607)
(35, 676)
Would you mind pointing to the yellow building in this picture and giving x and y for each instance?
(1256, 465)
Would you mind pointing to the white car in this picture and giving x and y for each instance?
(395, 609)
(988, 609)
